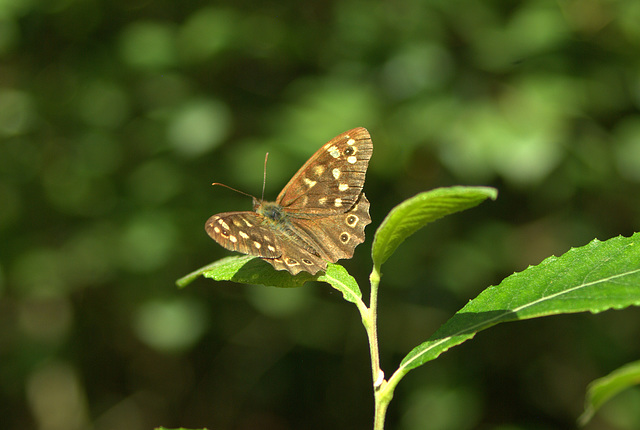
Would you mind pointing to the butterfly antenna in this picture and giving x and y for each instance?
(264, 179)
(233, 189)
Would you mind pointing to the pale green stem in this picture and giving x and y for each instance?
(383, 390)
(380, 413)
(372, 330)
(381, 402)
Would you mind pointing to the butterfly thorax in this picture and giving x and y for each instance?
(270, 210)
(277, 219)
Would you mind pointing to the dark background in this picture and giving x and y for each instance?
(116, 116)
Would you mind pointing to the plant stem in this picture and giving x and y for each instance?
(372, 330)
(381, 412)
(382, 397)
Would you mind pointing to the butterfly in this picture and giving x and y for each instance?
(318, 217)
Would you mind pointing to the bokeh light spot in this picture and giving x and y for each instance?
(16, 112)
(627, 149)
(199, 126)
(147, 242)
(171, 325)
(148, 45)
(206, 32)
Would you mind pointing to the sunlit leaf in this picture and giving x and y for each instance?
(338, 277)
(252, 270)
(596, 277)
(414, 213)
(247, 270)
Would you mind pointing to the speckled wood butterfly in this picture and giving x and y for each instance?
(318, 217)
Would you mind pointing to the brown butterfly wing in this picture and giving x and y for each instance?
(244, 232)
(335, 237)
(332, 179)
(253, 234)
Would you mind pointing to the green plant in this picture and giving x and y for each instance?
(599, 276)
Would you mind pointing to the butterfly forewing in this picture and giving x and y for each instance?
(318, 217)
(244, 232)
(332, 179)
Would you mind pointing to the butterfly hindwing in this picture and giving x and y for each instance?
(296, 259)
(335, 237)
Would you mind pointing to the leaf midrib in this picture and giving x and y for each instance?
(513, 311)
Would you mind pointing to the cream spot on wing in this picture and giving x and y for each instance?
(337, 202)
(271, 248)
(223, 224)
(216, 229)
(257, 244)
(318, 169)
(247, 223)
(233, 239)
(236, 222)
(343, 187)
(334, 152)
(322, 200)
(309, 182)
(336, 173)
(352, 159)
(243, 235)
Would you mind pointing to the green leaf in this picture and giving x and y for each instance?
(338, 277)
(596, 277)
(604, 388)
(187, 279)
(248, 270)
(414, 213)
(252, 270)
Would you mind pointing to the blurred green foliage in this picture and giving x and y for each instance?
(115, 116)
